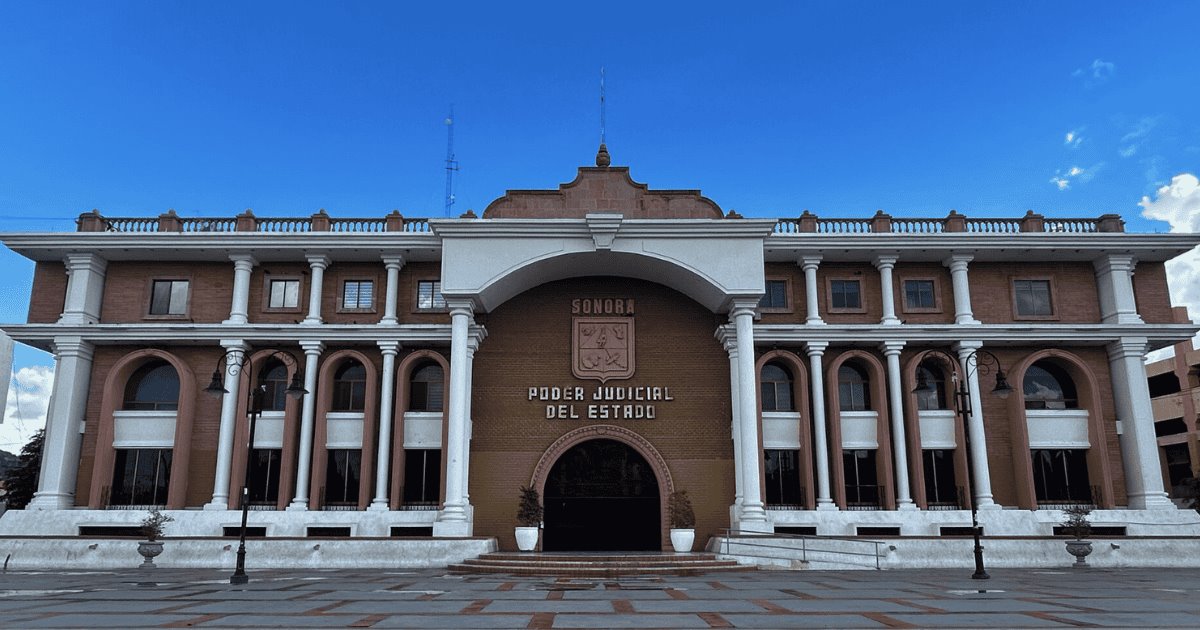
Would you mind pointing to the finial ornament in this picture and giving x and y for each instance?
(602, 158)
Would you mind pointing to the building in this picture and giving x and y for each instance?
(1175, 392)
(609, 344)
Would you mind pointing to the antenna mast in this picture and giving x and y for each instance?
(601, 104)
(451, 163)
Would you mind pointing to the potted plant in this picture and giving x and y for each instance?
(1078, 525)
(529, 519)
(152, 529)
(683, 521)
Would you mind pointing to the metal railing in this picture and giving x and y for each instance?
(759, 541)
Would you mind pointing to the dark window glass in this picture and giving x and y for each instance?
(853, 388)
(358, 294)
(934, 397)
(275, 382)
(262, 479)
(940, 488)
(350, 387)
(862, 485)
(284, 294)
(153, 387)
(141, 476)
(846, 294)
(919, 294)
(1179, 469)
(1033, 298)
(783, 477)
(422, 476)
(343, 471)
(776, 295)
(429, 294)
(169, 297)
(427, 389)
(1061, 476)
(776, 388)
(1048, 386)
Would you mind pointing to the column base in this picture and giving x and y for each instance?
(49, 501)
(310, 322)
(1151, 501)
(235, 322)
(452, 528)
(814, 322)
(827, 506)
(893, 321)
(967, 321)
(217, 504)
(986, 503)
(907, 507)
(378, 506)
(296, 506)
(756, 527)
(389, 322)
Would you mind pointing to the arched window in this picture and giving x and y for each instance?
(153, 387)
(776, 388)
(427, 388)
(275, 382)
(350, 387)
(1048, 386)
(853, 388)
(934, 396)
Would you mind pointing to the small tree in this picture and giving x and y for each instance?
(679, 508)
(22, 481)
(529, 510)
(1077, 523)
(152, 525)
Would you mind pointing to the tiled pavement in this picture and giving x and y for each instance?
(165, 598)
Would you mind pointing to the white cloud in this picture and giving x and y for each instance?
(1063, 184)
(1075, 170)
(1178, 204)
(1064, 179)
(1096, 73)
(1128, 151)
(25, 409)
(1073, 139)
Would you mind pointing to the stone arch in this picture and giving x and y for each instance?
(801, 404)
(113, 397)
(666, 484)
(912, 427)
(1087, 387)
(879, 402)
(291, 430)
(324, 401)
(404, 372)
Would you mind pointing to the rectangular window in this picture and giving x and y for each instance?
(422, 476)
(343, 471)
(940, 489)
(358, 295)
(141, 476)
(262, 479)
(284, 294)
(1033, 298)
(1061, 476)
(918, 294)
(862, 484)
(169, 297)
(845, 294)
(429, 295)
(776, 295)
(783, 478)
(426, 396)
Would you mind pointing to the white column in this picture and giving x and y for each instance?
(318, 264)
(810, 264)
(816, 375)
(243, 266)
(754, 516)
(386, 408)
(736, 403)
(472, 346)
(1139, 447)
(982, 492)
(228, 426)
(891, 350)
(308, 414)
(393, 264)
(64, 425)
(962, 288)
(885, 265)
(1114, 283)
(453, 519)
(85, 289)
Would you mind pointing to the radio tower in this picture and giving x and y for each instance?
(451, 163)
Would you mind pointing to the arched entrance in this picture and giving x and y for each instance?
(602, 495)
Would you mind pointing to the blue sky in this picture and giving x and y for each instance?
(1071, 109)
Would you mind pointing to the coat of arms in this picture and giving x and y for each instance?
(603, 348)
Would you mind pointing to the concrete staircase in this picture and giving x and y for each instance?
(598, 565)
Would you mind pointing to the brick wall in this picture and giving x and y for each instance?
(49, 292)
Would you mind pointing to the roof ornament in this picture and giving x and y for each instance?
(602, 158)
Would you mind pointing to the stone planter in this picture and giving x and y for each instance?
(149, 549)
(682, 539)
(1080, 549)
(527, 538)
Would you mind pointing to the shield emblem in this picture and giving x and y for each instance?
(602, 348)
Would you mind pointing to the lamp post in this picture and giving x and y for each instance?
(232, 362)
(977, 362)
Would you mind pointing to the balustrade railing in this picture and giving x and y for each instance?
(993, 226)
(918, 226)
(843, 226)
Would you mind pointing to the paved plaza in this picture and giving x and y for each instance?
(166, 598)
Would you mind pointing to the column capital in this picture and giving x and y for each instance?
(730, 346)
(815, 348)
(389, 347)
(459, 306)
(1115, 262)
(74, 347)
(312, 348)
(892, 347)
(317, 260)
(1127, 347)
(85, 262)
(885, 261)
(967, 345)
(235, 344)
(807, 261)
(395, 261)
(743, 306)
(958, 260)
(243, 260)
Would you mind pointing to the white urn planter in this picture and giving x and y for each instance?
(527, 538)
(682, 539)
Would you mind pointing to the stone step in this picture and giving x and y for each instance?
(595, 565)
(597, 557)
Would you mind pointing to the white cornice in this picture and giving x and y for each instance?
(579, 228)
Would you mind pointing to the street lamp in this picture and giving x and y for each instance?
(233, 362)
(978, 361)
